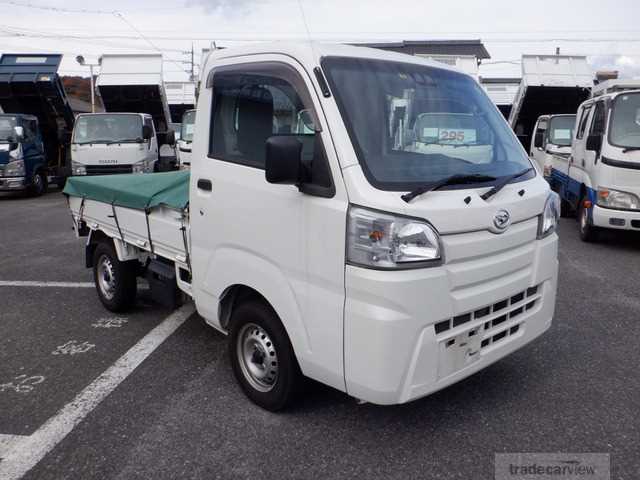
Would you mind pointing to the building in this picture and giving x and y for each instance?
(465, 55)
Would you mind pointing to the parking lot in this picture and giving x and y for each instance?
(150, 394)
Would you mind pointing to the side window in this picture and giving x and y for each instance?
(253, 102)
(29, 132)
(540, 138)
(583, 121)
(599, 117)
(149, 123)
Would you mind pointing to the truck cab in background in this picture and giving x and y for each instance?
(108, 143)
(601, 178)
(23, 163)
(551, 142)
(36, 124)
(186, 138)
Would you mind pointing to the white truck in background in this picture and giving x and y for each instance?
(110, 143)
(600, 180)
(133, 83)
(387, 251)
(185, 142)
(551, 84)
(551, 141)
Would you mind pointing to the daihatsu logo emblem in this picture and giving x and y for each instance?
(501, 221)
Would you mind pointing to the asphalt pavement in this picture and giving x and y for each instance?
(180, 414)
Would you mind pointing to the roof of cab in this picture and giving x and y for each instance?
(310, 52)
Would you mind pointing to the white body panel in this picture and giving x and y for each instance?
(367, 332)
(181, 93)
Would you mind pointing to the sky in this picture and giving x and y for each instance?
(608, 33)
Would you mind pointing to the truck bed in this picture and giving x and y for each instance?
(146, 211)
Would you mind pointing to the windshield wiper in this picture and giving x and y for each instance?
(456, 179)
(630, 149)
(125, 140)
(503, 182)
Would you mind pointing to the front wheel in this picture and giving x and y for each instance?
(262, 357)
(38, 184)
(588, 233)
(116, 281)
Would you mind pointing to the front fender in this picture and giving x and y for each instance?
(232, 266)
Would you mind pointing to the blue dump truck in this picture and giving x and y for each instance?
(35, 123)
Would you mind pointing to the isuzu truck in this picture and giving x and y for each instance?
(108, 143)
(363, 218)
(600, 180)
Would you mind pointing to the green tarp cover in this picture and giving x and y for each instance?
(139, 191)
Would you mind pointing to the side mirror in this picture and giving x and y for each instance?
(171, 138)
(19, 132)
(283, 163)
(538, 141)
(594, 143)
(147, 132)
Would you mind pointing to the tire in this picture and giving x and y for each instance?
(262, 357)
(565, 209)
(588, 233)
(116, 281)
(38, 184)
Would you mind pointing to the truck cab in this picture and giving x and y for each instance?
(23, 163)
(186, 138)
(551, 142)
(37, 122)
(108, 143)
(601, 178)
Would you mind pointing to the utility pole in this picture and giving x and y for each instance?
(192, 69)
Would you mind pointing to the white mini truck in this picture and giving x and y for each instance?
(363, 218)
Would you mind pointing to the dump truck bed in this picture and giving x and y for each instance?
(149, 212)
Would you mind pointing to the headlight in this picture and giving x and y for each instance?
(615, 199)
(386, 241)
(78, 168)
(549, 218)
(14, 169)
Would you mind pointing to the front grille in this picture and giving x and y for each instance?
(496, 313)
(108, 169)
(461, 339)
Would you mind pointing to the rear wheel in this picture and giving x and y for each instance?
(588, 233)
(262, 357)
(116, 281)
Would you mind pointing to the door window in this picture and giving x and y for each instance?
(583, 120)
(252, 102)
(250, 108)
(599, 117)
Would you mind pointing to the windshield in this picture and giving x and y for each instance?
(414, 124)
(7, 132)
(561, 130)
(625, 121)
(188, 121)
(108, 128)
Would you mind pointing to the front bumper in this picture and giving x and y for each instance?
(410, 333)
(12, 184)
(619, 219)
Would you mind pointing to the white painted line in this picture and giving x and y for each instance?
(7, 442)
(28, 451)
(20, 283)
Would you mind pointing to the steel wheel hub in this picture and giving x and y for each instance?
(106, 277)
(257, 357)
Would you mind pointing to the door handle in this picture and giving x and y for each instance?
(204, 184)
